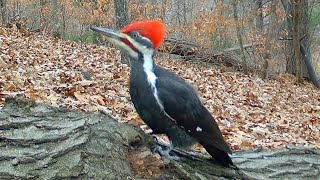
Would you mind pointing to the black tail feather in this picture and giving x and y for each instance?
(221, 157)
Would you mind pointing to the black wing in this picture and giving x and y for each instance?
(182, 103)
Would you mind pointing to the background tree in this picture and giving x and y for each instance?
(296, 40)
(121, 13)
(122, 19)
(3, 11)
(239, 36)
(303, 32)
(259, 16)
(268, 37)
(55, 18)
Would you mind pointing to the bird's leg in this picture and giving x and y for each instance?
(162, 148)
(154, 135)
(165, 151)
(151, 133)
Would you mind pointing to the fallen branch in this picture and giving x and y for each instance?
(194, 52)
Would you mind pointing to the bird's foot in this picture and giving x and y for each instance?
(151, 133)
(165, 152)
(193, 154)
(154, 136)
(187, 153)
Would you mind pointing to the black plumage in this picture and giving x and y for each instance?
(181, 103)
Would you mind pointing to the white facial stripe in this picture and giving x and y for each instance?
(124, 47)
(146, 39)
(141, 48)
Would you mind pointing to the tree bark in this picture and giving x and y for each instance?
(303, 32)
(311, 70)
(122, 19)
(121, 12)
(43, 142)
(296, 39)
(38, 141)
(304, 43)
(3, 10)
(267, 49)
(55, 19)
(259, 17)
(239, 36)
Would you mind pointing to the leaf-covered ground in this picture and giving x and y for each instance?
(251, 112)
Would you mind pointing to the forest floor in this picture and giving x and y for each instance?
(251, 112)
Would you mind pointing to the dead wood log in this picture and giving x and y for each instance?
(195, 52)
(38, 141)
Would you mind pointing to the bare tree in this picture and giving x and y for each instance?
(121, 13)
(304, 41)
(296, 44)
(3, 11)
(259, 17)
(122, 19)
(55, 18)
(236, 18)
(267, 50)
(303, 33)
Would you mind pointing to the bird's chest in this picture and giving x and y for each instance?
(146, 104)
(143, 89)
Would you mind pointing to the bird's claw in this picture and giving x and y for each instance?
(192, 154)
(166, 153)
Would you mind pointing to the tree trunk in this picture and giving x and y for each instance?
(296, 39)
(121, 13)
(307, 59)
(55, 18)
(3, 10)
(303, 34)
(259, 18)
(38, 141)
(288, 44)
(122, 19)
(235, 15)
(267, 49)
(304, 30)
(304, 40)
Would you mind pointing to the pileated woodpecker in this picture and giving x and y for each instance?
(164, 101)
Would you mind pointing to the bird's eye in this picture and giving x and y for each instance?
(135, 35)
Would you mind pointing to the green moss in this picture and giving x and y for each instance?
(315, 16)
(87, 37)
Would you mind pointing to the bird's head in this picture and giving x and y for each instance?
(141, 37)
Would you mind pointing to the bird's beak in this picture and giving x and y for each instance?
(119, 39)
(109, 33)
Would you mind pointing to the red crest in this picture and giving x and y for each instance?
(153, 30)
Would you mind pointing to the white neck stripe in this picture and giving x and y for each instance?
(151, 77)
